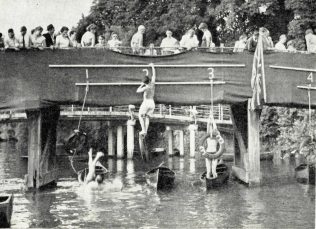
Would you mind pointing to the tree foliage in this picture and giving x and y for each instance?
(227, 19)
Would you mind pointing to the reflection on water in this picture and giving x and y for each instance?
(125, 200)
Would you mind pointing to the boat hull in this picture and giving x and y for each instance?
(305, 174)
(6, 206)
(221, 179)
(162, 178)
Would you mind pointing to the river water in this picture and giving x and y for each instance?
(126, 201)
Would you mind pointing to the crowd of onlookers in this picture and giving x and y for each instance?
(169, 45)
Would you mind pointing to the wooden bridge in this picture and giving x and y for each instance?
(41, 83)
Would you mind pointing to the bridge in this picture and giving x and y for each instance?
(40, 82)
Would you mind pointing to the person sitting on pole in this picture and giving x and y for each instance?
(148, 106)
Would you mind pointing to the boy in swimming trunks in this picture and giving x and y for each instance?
(148, 106)
(92, 164)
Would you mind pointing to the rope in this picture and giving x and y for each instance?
(79, 123)
(84, 99)
(310, 113)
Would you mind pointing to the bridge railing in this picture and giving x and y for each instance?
(221, 112)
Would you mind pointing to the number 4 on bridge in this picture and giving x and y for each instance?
(310, 77)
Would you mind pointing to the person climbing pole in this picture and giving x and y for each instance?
(148, 105)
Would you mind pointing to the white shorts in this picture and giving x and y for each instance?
(147, 107)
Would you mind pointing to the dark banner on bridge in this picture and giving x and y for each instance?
(32, 79)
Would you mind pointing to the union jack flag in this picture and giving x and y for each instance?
(258, 77)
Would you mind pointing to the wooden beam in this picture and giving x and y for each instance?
(42, 126)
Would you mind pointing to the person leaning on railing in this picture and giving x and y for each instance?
(189, 40)
(240, 45)
(72, 38)
(1, 42)
(11, 43)
(169, 45)
(101, 42)
(310, 38)
(88, 38)
(62, 40)
(37, 40)
(114, 43)
(24, 39)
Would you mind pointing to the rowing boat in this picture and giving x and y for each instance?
(6, 204)
(222, 177)
(162, 178)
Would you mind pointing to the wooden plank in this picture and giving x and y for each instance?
(253, 145)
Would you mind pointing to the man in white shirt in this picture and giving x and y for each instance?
(169, 44)
(189, 40)
(137, 40)
(11, 43)
(280, 46)
(25, 39)
(310, 41)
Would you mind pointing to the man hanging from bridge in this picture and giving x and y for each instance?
(148, 106)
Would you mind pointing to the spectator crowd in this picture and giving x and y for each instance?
(64, 39)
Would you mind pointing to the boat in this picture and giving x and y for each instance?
(6, 204)
(222, 177)
(305, 173)
(161, 178)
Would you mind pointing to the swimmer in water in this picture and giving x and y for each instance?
(92, 164)
(148, 106)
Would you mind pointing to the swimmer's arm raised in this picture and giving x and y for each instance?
(153, 78)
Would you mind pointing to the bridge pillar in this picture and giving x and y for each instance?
(120, 142)
(192, 128)
(130, 138)
(247, 144)
(181, 143)
(170, 140)
(42, 133)
(110, 141)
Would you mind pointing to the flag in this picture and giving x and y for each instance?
(258, 76)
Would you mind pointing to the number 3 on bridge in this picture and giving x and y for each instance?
(211, 73)
(310, 77)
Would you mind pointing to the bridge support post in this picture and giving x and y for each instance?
(130, 138)
(181, 143)
(170, 140)
(110, 141)
(247, 144)
(42, 133)
(120, 142)
(192, 128)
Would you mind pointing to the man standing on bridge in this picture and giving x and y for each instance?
(148, 106)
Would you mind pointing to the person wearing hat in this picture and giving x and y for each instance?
(88, 38)
(24, 39)
(11, 43)
(207, 36)
(49, 36)
(37, 40)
